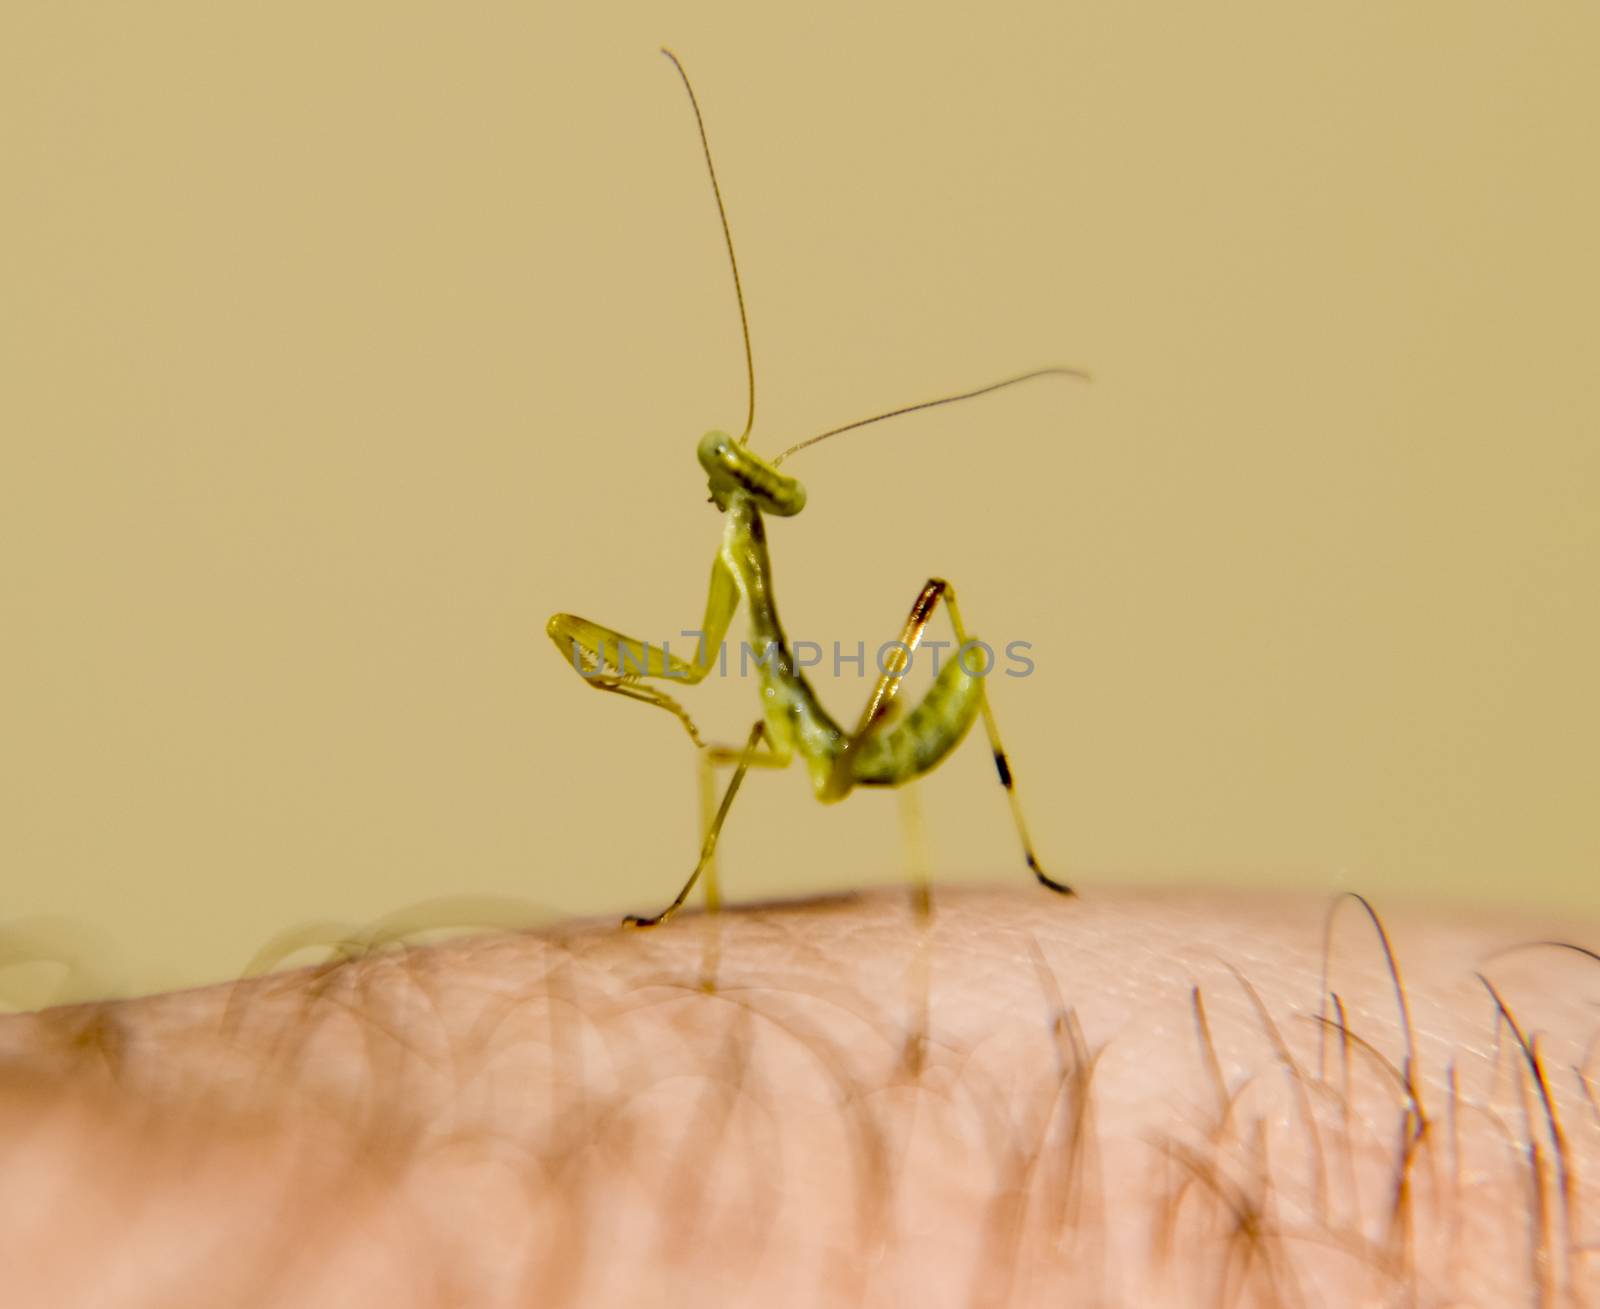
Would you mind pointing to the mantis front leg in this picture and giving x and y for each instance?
(610, 661)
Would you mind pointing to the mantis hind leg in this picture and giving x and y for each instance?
(1002, 763)
(883, 756)
(619, 664)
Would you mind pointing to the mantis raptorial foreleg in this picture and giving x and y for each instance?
(611, 661)
(606, 658)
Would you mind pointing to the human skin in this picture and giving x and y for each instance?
(1118, 1099)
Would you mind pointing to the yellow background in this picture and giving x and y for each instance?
(343, 343)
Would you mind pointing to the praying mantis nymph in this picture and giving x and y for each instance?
(883, 750)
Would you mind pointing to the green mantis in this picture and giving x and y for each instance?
(885, 748)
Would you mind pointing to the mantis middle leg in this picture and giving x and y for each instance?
(708, 846)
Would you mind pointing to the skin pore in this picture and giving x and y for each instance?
(1122, 1099)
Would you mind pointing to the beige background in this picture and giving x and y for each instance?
(344, 343)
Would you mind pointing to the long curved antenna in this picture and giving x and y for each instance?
(930, 404)
(727, 235)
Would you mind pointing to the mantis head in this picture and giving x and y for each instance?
(732, 467)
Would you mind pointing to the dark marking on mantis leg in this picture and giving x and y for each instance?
(1003, 768)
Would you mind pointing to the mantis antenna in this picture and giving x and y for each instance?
(930, 404)
(727, 235)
